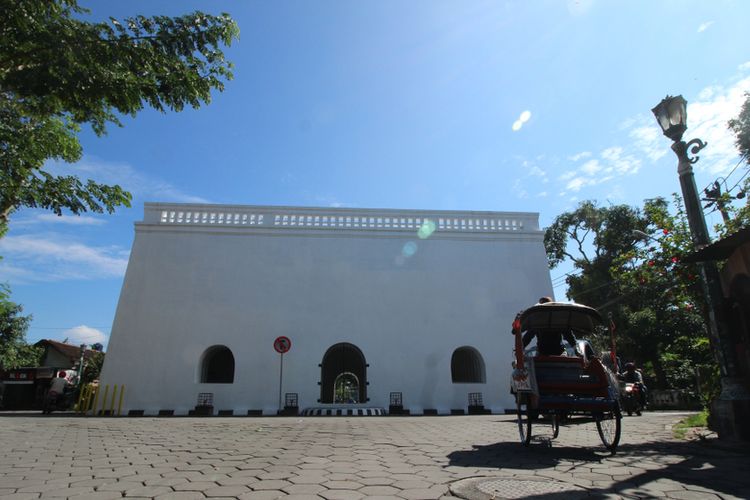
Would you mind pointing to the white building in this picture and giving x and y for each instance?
(374, 302)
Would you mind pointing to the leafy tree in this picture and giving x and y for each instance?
(14, 351)
(58, 72)
(653, 298)
(92, 367)
(741, 128)
(736, 217)
(662, 306)
(591, 237)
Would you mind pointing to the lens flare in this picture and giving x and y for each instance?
(426, 229)
(410, 248)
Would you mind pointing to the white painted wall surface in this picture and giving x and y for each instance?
(241, 281)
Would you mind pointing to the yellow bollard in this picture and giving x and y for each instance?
(112, 404)
(87, 399)
(104, 401)
(80, 398)
(96, 400)
(122, 393)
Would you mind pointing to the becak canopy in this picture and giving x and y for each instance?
(560, 316)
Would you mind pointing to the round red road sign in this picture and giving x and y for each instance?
(282, 344)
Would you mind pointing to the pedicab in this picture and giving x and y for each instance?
(573, 387)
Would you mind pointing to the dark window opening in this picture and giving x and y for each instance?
(343, 375)
(467, 366)
(217, 366)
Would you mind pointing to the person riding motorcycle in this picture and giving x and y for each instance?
(56, 392)
(634, 376)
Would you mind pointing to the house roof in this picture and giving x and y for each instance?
(720, 249)
(72, 352)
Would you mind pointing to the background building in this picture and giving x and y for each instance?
(374, 302)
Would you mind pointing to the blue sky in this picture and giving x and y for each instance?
(472, 105)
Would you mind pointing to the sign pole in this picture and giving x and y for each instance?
(281, 375)
(281, 345)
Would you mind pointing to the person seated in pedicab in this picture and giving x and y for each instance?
(549, 342)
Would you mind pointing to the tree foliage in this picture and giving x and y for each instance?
(92, 367)
(628, 263)
(740, 126)
(58, 71)
(662, 306)
(591, 237)
(736, 216)
(14, 351)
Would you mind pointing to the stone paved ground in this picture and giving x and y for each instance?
(338, 458)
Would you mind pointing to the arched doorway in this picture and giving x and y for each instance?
(217, 366)
(343, 375)
(467, 366)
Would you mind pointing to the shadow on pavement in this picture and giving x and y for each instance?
(695, 465)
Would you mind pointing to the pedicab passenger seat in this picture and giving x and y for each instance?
(570, 375)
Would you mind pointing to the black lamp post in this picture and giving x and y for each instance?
(671, 113)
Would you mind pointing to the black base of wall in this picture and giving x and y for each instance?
(430, 411)
(478, 410)
(397, 410)
(166, 413)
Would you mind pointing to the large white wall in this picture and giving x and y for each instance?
(192, 284)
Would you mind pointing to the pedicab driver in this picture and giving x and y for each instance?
(549, 343)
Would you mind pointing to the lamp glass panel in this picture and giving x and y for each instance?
(676, 111)
(663, 119)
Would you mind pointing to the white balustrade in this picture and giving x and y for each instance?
(496, 222)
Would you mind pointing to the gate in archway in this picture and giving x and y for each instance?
(343, 378)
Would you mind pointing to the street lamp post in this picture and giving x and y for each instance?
(671, 114)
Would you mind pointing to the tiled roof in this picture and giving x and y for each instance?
(720, 249)
(72, 352)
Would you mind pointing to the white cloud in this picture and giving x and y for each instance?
(83, 334)
(611, 163)
(52, 257)
(648, 138)
(537, 175)
(703, 27)
(707, 119)
(567, 175)
(744, 66)
(519, 190)
(142, 186)
(537, 172)
(591, 167)
(708, 115)
(577, 183)
(75, 220)
(523, 118)
(580, 156)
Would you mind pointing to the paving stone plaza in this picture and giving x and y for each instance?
(333, 458)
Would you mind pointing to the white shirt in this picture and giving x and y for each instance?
(58, 385)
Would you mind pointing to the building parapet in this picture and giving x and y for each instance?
(203, 215)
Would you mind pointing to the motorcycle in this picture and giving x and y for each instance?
(630, 398)
(55, 401)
